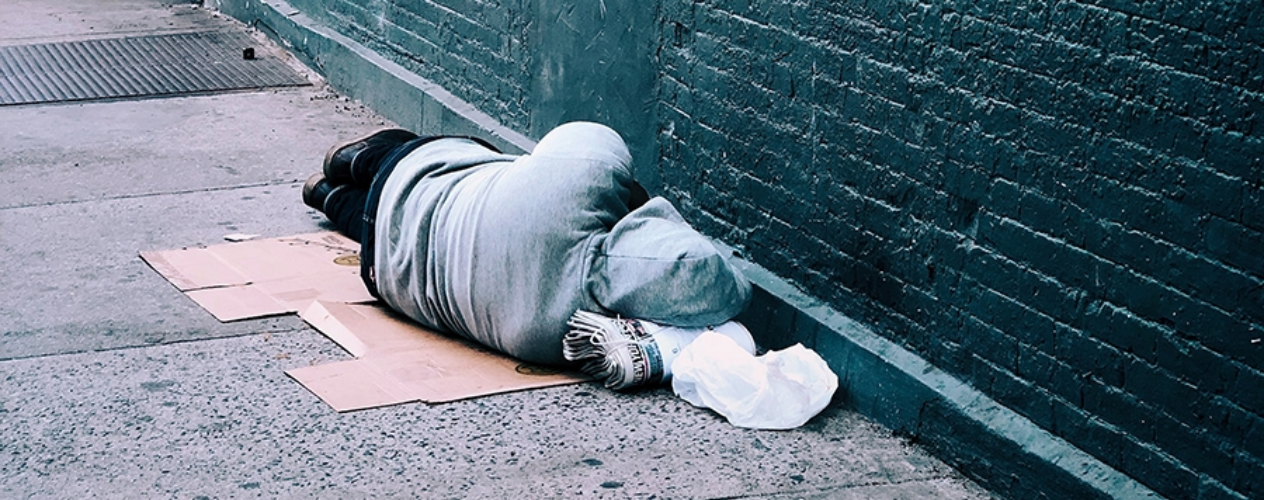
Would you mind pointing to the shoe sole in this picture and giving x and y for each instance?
(329, 155)
(309, 187)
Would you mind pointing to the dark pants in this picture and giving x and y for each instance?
(345, 206)
(345, 209)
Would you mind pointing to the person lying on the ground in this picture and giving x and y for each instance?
(505, 249)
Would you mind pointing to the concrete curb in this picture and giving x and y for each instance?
(992, 444)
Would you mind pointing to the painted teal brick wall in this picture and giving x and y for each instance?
(1056, 201)
(473, 48)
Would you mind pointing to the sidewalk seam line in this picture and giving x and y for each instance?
(159, 344)
(153, 195)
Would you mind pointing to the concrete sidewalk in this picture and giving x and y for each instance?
(114, 385)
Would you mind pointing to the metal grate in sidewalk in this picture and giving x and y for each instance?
(133, 67)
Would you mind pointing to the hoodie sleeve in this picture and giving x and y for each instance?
(654, 266)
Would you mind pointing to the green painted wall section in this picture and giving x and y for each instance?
(595, 61)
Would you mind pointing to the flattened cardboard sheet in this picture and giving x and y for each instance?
(265, 277)
(398, 361)
(318, 275)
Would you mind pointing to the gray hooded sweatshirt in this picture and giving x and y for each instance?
(502, 249)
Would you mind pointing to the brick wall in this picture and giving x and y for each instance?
(1060, 202)
(475, 49)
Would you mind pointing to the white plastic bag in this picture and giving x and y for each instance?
(779, 390)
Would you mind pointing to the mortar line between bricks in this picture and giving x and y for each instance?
(446, 10)
(1142, 61)
(973, 95)
(352, 23)
(1143, 17)
(402, 51)
(149, 346)
(154, 195)
(946, 120)
(1052, 39)
(1191, 297)
(1188, 296)
(420, 18)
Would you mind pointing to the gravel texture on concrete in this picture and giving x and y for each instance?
(219, 418)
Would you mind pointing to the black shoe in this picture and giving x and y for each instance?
(316, 191)
(340, 162)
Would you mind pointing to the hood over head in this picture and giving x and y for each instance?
(654, 266)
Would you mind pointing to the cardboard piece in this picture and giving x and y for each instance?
(265, 277)
(318, 275)
(397, 361)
